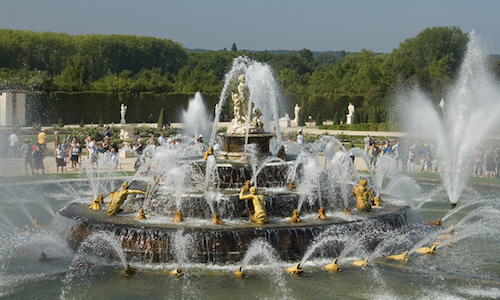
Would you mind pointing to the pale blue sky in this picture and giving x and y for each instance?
(318, 25)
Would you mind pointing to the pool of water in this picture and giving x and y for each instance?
(467, 265)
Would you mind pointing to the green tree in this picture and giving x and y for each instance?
(233, 47)
(302, 122)
(336, 118)
(160, 118)
(319, 119)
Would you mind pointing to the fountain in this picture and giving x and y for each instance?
(240, 257)
(245, 177)
(471, 114)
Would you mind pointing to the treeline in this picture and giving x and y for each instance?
(132, 65)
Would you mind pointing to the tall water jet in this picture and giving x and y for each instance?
(471, 112)
(196, 119)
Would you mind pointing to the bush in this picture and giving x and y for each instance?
(319, 119)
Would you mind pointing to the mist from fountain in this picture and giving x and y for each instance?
(263, 89)
(471, 113)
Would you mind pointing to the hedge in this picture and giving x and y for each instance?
(72, 107)
(365, 127)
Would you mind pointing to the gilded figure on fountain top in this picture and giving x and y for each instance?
(243, 111)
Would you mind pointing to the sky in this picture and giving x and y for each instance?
(318, 25)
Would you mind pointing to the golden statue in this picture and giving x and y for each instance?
(292, 186)
(176, 272)
(216, 219)
(295, 269)
(401, 257)
(361, 263)
(96, 204)
(36, 225)
(281, 153)
(129, 270)
(119, 197)
(363, 196)
(295, 217)
(178, 217)
(376, 201)
(239, 273)
(347, 211)
(333, 267)
(260, 214)
(321, 214)
(209, 152)
(426, 250)
(141, 216)
(437, 223)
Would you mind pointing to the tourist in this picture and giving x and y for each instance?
(386, 149)
(489, 162)
(42, 139)
(479, 161)
(300, 137)
(94, 151)
(59, 155)
(368, 142)
(27, 152)
(114, 157)
(352, 155)
(139, 149)
(38, 155)
(108, 133)
(151, 140)
(105, 145)
(200, 139)
(410, 158)
(13, 140)
(162, 139)
(373, 152)
(396, 153)
(423, 158)
(74, 151)
(217, 147)
(57, 140)
(88, 139)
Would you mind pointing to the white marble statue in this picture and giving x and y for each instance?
(350, 116)
(296, 112)
(243, 111)
(442, 104)
(123, 110)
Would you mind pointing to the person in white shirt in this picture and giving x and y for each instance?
(300, 137)
(13, 140)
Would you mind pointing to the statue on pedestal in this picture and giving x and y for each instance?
(123, 110)
(243, 111)
(296, 112)
(350, 116)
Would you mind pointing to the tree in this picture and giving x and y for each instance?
(319, 119)
(302, 122)
(160, 118)
(233, 47)
(336, 118)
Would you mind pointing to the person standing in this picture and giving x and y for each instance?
(26, 152)
(410, 157)
(396, 153)
(368, 142)
(373, 152)
(59, 155)
(13, 140)
(162, 139)
(139, 149)
(42, 139)
(300, 137)
(38, 155)
(75, 153)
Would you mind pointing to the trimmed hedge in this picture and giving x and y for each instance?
(366, 127)
(72, 107)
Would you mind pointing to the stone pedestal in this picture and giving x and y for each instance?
(349, 119)
(285, 121)
(233, 145)
(127, 136)
(12, 108)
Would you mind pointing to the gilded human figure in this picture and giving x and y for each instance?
(260, 214)
(364, 197)
(119, 197)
